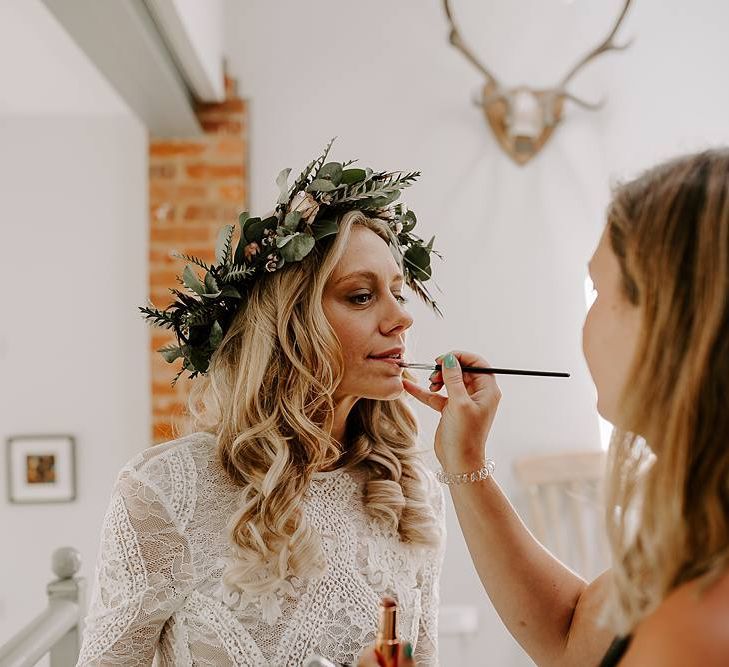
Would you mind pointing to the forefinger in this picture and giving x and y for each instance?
(474, 381)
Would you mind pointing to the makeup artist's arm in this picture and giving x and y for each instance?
(549, 610)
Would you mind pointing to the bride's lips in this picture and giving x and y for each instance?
(393, 356)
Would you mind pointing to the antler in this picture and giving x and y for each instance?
(457, 41)
(606, 45)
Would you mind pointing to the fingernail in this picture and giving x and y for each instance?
(432, 375)
(449, 361)
(408, 651)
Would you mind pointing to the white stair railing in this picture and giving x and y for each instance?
(58, 628)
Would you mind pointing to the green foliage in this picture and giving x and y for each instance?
(201, 314)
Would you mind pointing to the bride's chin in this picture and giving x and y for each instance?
(397, 391)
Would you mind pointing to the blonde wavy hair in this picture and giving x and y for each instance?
(670, 232)
(267, 398)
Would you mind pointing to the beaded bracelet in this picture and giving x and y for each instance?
(450, 478)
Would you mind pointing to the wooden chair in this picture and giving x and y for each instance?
(565, 497)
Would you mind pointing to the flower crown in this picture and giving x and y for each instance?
(306, 212)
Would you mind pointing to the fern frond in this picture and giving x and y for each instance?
(159, 318)
(192, 260)
(314, 166)
(236, 273)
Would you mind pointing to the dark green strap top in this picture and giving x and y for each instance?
(616, 651)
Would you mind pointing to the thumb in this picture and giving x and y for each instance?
(405, 657)
(453, 376)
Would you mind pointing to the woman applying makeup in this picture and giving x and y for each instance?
(657, 345)
(272, 532)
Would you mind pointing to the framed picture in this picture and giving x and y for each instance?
(41, 468)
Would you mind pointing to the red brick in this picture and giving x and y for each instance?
(232, 105)
(196, 184)
(231, 87)
(214, 171)
(222, 126)
(230, 146)
(235, 193)
(175, 148)
(159, 340)
(161, 257)
(206, 212)
(164, 278)
(162, 212)
(162, 171)
(191, 191)
(181, 234)
(159, 192)
(161, 431)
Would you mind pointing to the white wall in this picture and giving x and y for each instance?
(73, 252)
(382, 77)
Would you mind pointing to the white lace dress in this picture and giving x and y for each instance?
(158, 586)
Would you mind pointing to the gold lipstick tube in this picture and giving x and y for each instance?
(387, 643)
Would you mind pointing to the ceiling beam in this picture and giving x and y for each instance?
(122, 40)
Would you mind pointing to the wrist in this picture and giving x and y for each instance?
(464, 460)
(484, 472)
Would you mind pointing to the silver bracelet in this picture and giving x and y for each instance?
(450, 478)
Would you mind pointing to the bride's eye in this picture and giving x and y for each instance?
(361, 299)
(401, 298)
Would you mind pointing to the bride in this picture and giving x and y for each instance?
(272, 531)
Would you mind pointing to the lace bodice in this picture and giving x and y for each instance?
(158, 585)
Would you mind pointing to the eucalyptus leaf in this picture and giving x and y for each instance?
(191, 281)
(281, 241)
(323, 228)
(199, 360)
(282, 180)
(297, 247)
(331, 171)
(216, 335)
(321, 185)
(211, 285)
(231, 292)
(171, 354)
(380, 202)
(417, 260)
(351, 176)
(408, 221)
(291, 222)
(250, 228)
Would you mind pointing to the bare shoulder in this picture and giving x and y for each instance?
(690, 627)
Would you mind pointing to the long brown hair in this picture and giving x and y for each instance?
(668, 489)
(268, 399)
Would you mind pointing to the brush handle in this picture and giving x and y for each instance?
(491, 371)
(511, 371)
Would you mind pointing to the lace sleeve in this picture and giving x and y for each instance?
(143, 573)
(426, 646)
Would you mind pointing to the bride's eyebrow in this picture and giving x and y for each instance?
(368, 275)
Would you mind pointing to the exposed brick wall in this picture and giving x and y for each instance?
(195, 186)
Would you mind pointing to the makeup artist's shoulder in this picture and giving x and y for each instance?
(691, 627)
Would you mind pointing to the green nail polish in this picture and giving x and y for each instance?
(408, 650)
(449, 361)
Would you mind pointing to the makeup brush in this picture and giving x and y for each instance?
(486, 371)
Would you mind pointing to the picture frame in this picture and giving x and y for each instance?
(41, 468)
